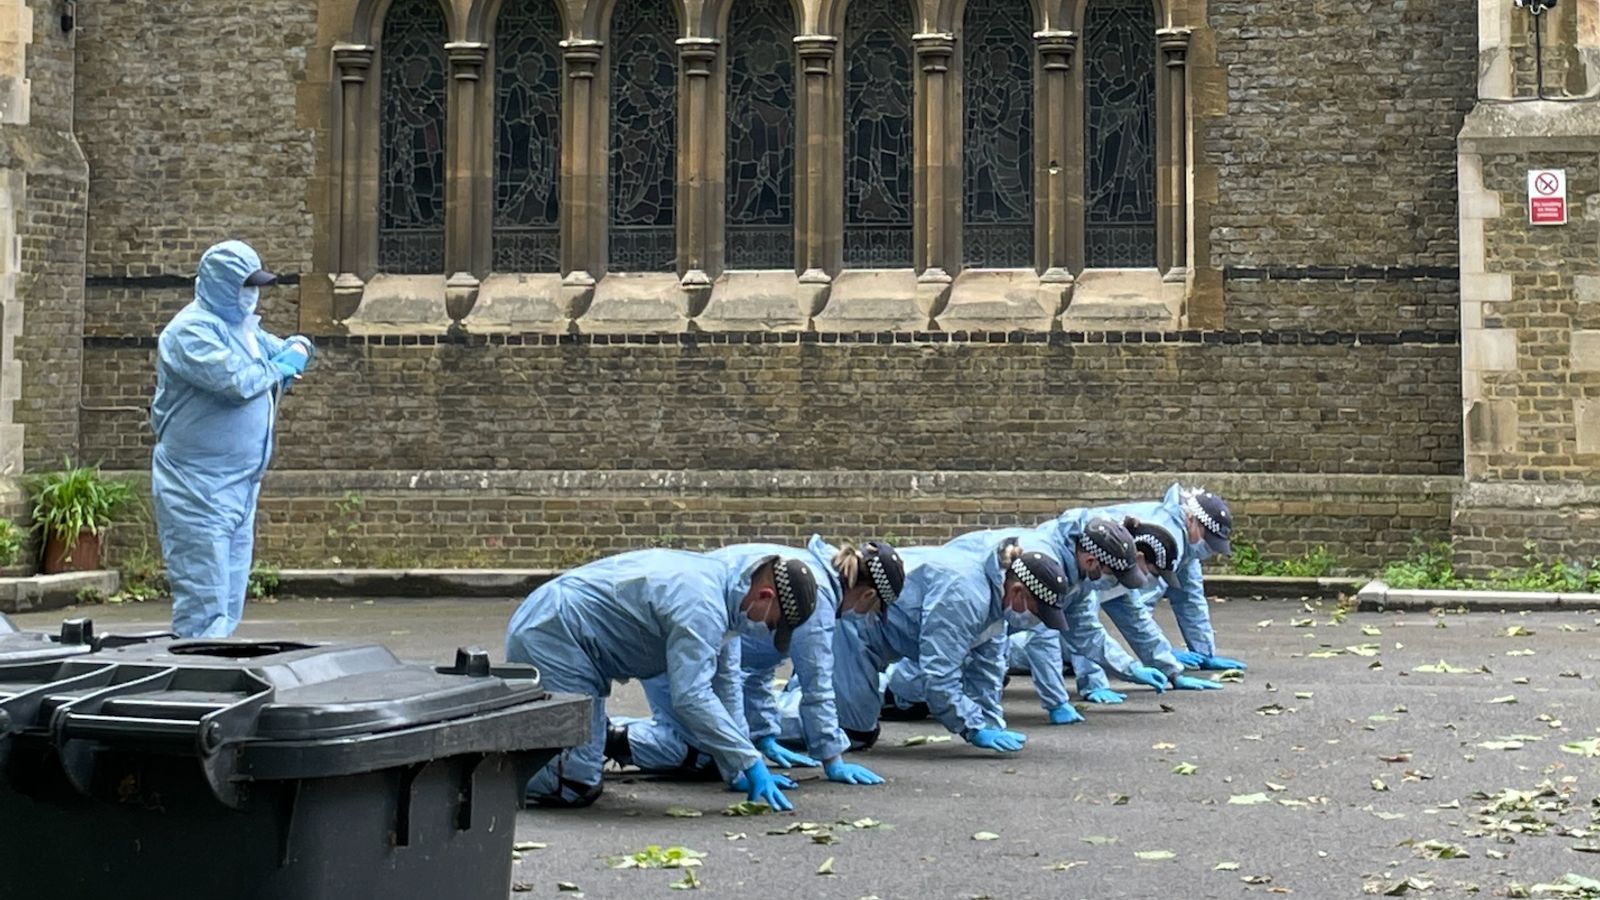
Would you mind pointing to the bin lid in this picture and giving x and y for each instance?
(75, 638)
(297, 709)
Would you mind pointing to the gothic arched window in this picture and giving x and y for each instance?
(412, 139)
(997, 135)
(644, 136)
(878, 134)
(761, 135)
(527, 138)
(1120, 87)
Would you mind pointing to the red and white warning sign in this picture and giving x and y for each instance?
(1547, 196)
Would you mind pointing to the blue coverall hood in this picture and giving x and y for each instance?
(219, 283)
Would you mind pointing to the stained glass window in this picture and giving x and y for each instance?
(1120, 86)
(761, 135)
(527, 137)
(644, 136)
(997, 137)
(878, 132)
(412, 139)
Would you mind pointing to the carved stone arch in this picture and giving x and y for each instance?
(950, 12)
(484, 14)
(366, 25)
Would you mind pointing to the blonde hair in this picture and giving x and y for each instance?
(1009, 554)
(847, 562)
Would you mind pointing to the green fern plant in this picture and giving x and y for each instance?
(77, 499)
(12, 541)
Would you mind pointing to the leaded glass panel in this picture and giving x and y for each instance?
(1120, 84)
(761, 135)
(997, 135)
(412, 139)
(527, 138)
(644, 136)
(878, 133)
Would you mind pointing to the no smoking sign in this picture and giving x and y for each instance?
(1547, 196)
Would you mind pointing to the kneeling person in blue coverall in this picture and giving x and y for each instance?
(219, 378)
(847, 578)
(649, 612)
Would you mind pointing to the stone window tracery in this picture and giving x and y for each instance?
(644, 137)
(761, 135)
(878, 135)
(997, 135)
(527, 138)
(411, 199)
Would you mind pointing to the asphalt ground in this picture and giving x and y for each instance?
(1309, 775)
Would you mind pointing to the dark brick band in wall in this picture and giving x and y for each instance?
(556, 519)
(1332, 406)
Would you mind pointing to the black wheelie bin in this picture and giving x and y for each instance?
(268, 769)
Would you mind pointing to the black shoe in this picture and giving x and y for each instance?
(862, 740)
(570, 795)
(618, 750)
(893, 712)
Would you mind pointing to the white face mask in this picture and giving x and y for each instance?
(755, 631)
(1022, 621)
(248, 298)
(1201, 550)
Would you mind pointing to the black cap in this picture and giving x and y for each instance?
(885, 569)
(797, 598)
(1046, 580)
(1214, 516)
(260, 278)
(1112, 545)
(1158, 547)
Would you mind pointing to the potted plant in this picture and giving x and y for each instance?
(73, 508)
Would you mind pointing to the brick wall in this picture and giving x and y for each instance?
(188, 114)
(965, 406)
(50, 224)
(554, 519)
(1338, 150)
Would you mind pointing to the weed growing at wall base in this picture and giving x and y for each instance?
(1433, 567)
(1247, 560)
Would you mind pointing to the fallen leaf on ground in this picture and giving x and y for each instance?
(918, 739)
(523, 846)
(1501, 745)
(1163, 746)
(1370, 631)
(688, 883)
(1255, 879)
(1246, 799)
(1443, 668)
(1409, 884)
(1185, 769)
(1397, 758)
(1302, 695)
(1364, 649)
(1065, 866)
(826, 868)
(683, 812)
(1225, 867)
(747, 808)
(1438, 849)
(1229, 676)
(1152, 855)
(566, 886)
(1378, 785)
(1098, 840)
(1509, 698)
(1276, 788)
(1517, 631)
(1588, 749)
(986, 836)
(1271, 709)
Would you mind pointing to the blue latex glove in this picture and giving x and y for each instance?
(1221, 663)
(291, 359)
(1185, 683)
(850, 773)
(1153, 677)
(286, 372)
(1065, 715)
(996, 739)
(1190, 659)
(782, 756)
(1104, 695)
(762, 787)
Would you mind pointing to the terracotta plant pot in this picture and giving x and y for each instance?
(85, 554)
